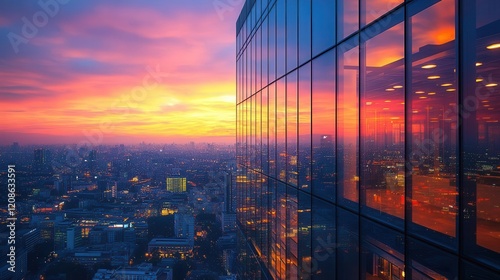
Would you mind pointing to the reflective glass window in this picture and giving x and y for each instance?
(347, 18)
(272, 44)
(291, 129)
(280, 37)
(432, 119)
(304, 236)
(348, 123)
(265, 131)
(292, 237)
(323, 25)
(304, 133)
(382, 252)
(304, 31)
(265, 48)
(281, 129)
(429, 262)
(481, 144)
(272, 130)
(374, 9)
(382, 174)
(323, 125)
(323, 240)
(347, 248)
(291, 34)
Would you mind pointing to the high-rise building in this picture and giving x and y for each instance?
(40, 159)
(184, 226)
(73, 238)
(176, 184)
(368, 139)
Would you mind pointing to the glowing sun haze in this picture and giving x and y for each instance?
(129, 71)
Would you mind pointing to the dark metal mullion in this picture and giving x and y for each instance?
(361, 71)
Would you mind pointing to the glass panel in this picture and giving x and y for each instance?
(481, 142)
(281, 230)
(281, 130)
(474, 272)
(272, 130)
(382, 125)
(488, 138)
(347, 248)
(265, 40)
(322, 262)
(292, 233)
(291, 34)
(304, 31)
(323, 25)
(258, 59)
(347, 18)
(265, 131)
(251, 67)
(304, 157)
(433, 126)
(272, 44)
(273, 242)
(280, 36)
(374, 9)
(323, 125)
(347, 123)
(258, 128)
(382, 252)
(291, 128)
(428, 262)
(304, 236)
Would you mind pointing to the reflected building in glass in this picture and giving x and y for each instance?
(368, 139)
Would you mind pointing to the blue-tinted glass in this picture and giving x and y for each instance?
(272, 44)
(281, 129)
(323, 240)
(258, 59)
(273, 243)
(304, 236)
(291, 34)
(291, 128)
(265, 131)
(471, 271)
(292, 238)
(257, 165)
(281, 230)
(280, 37)
(481, 146)
(382, 252)
(251, 67)
(428, 262)
(272, 130)
(374, 9)
(265, 56)
(323, 126)
(304, 134)
(323, 25)
(347, 18)
(347, 245)
(304, 31)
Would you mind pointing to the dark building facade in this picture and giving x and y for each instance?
(368, 139)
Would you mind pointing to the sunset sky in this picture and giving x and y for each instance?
(117, 71)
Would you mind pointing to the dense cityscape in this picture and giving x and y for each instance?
(161, 211)
(250, 140)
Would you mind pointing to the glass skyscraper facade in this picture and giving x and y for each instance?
(368, 139)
